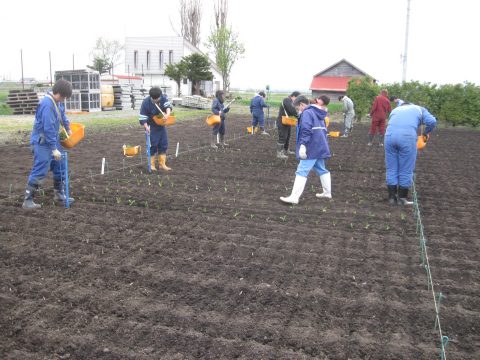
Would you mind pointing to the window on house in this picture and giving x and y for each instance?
(170, 57)
(148, 59)
(135, 59)
(185, 81)
(160, 57)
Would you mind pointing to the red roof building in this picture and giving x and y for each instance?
(333, 81)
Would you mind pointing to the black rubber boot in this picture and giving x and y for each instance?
(381, 140)
(28, 202)
(370, 139)
(59, 192)
(402, 196)
(392, 194)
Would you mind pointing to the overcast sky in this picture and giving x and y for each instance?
(286, 42)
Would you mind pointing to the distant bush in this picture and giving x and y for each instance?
(455, 104)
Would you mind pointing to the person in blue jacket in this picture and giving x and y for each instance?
(312, 147)
(45, 144)
(151, 106)
(218, 108)
(396, 100)
(401, 148)
(256, 109)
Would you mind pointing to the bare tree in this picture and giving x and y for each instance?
(221, 11)
(190, 18)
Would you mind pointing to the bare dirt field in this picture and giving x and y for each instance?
(206, 263)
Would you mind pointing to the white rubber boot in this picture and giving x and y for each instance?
(297, 190)
(326, 181)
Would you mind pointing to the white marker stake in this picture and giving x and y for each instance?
(103, 166)
(176, 152)
(218, 138)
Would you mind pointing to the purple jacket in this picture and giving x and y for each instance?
(312, 132)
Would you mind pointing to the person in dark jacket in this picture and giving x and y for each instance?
(218, 108)
(286, 109)
(151, 107)
(256, 109)
(312, 147)
(45, 144)
(380, 109)
(401, 148)
(396, 100)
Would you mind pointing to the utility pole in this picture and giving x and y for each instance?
(405, 51)
(73, 61)
(21, 61)
(50, 61)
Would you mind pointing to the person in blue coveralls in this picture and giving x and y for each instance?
(256, 109)
(151, 106)
(218, 108)
(396, 100)
(312, 147)
(45, 144)
(401, 148)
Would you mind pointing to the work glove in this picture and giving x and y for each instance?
(302, 152)
(57, 155)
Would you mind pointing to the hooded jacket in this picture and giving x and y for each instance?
(256, 105)
(312, 132)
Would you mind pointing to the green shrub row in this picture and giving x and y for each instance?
(455, 104)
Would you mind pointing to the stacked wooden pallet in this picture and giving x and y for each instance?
(138, 95)
(22, 102)
(122, 96)
(196, 102)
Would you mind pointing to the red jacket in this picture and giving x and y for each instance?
(381, 107)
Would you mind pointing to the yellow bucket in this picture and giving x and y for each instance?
(327, 121)
(334, 133)
(159, 120)
(78, 133)
(289, 121)
(131, 150)
(249, 129)
(213, 120)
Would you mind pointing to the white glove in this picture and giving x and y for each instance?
(302, 152)
(57, 155)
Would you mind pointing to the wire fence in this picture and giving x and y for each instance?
(437, 298)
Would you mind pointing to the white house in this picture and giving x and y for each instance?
(148, 56)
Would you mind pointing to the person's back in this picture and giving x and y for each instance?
(407, 118)
(381, 107)
(257, 104)
(348, 107)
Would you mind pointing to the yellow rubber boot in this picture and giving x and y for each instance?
(162, 159)
(152, 163)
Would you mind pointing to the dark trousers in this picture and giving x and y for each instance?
(283, 134)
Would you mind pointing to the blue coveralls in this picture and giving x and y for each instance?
(312, 132)
(158, 134)
(44, 139)
(256, 109)
(401, 142)
(218, 106)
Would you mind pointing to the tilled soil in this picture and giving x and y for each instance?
(205, 262)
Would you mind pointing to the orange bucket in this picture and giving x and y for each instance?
(421, 143)
(159, 120)
(78, 133)
(334, 134)
(289, 121)
(213, 120)
(131, 150)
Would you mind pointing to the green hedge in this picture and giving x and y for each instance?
(457, 104)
